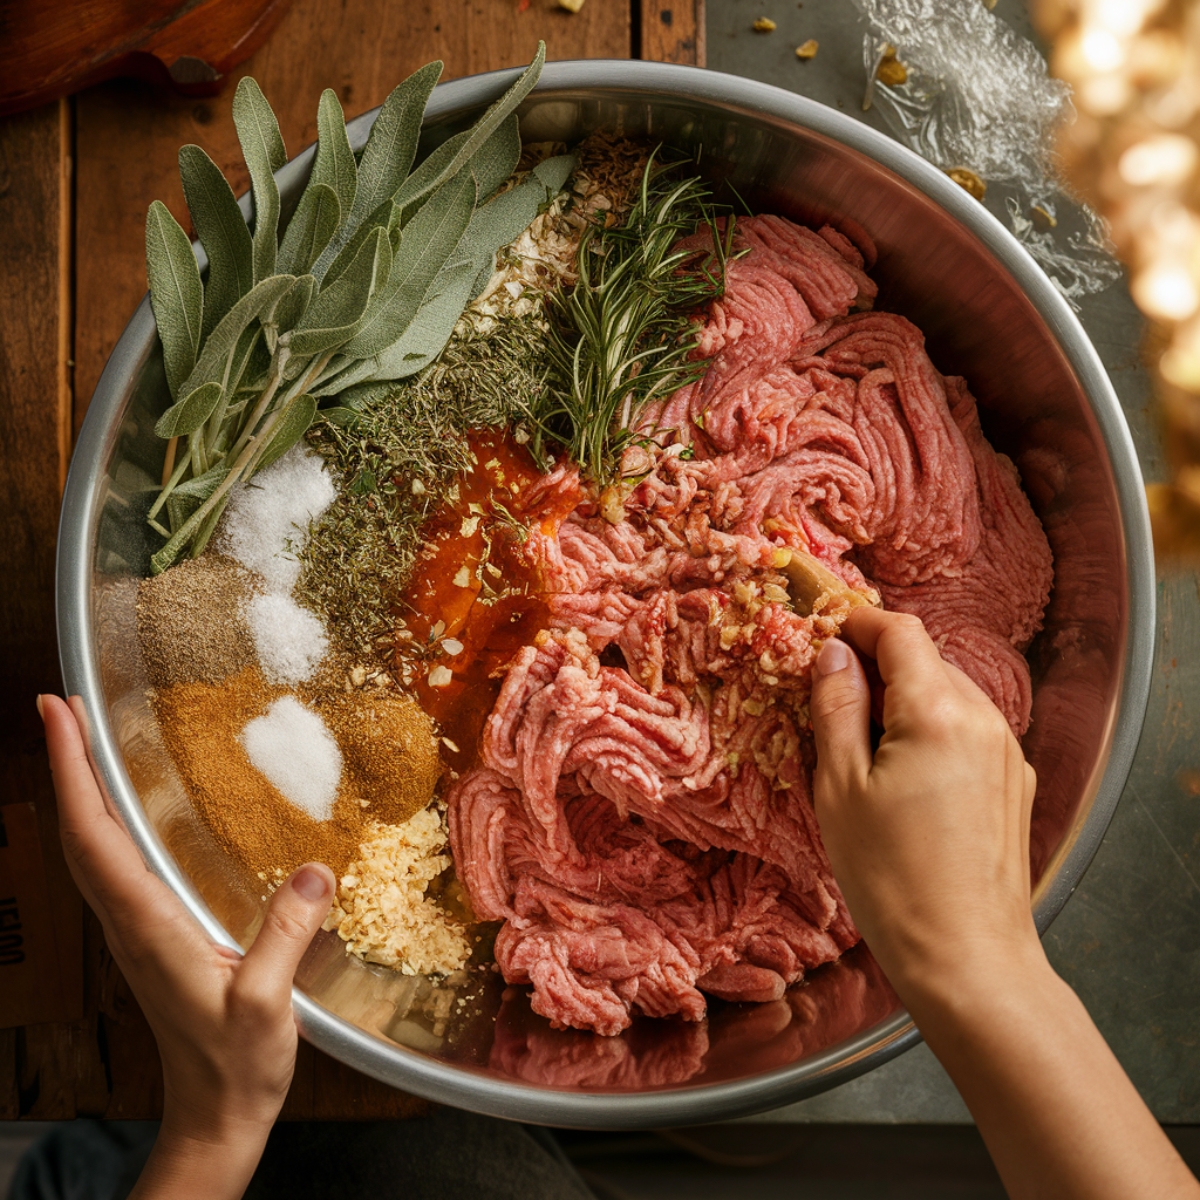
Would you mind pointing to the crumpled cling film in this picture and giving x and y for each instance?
(980, 96)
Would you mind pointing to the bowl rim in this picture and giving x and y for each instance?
(461, 1085)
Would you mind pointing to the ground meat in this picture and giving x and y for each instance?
(642, 821)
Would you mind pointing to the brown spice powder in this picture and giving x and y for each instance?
(391, 770)
(190, 621)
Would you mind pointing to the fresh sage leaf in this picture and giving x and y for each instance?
(332, 317)
(392, 145)
(238, 364)
(429, 240)
(176, 293)
(293, 425)
(430, 169)
(241, 363)
(387, 157)
(502, 219)
(486, 125)
(222, 230)
(214, 358)
(287, 311)
(188, 414)
(496, 224)
(313, 224)
(497, 158)
(263, 150)
(491, 165)
(334, 165)
(338, 415)
(430, 330)
(554, 172)
(343, 371)
(381, 218)
(363, 395)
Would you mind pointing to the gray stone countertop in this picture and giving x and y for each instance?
(1128, 941)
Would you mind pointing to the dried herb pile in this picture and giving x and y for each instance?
(395, 461)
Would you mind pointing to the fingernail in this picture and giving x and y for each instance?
(312, 885)
(39, 704)
(835, 656)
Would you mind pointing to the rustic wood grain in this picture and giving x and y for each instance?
(671, 31)
(126, 137)
(35, 423)
(128, 134)
(48, 51)
(35, 414)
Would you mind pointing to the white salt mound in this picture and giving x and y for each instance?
(266, 523)
(294, 749)
(289, 639)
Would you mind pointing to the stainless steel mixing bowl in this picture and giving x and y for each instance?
(989, 314)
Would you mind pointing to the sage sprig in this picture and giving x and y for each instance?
(366, 284)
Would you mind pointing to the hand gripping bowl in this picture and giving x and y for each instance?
(988, 313)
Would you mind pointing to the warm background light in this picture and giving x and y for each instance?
(1134, 153)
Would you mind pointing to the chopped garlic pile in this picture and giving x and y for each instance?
(382, 911)
(543, 256)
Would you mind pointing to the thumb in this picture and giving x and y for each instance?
(293, 918)
(841, 718)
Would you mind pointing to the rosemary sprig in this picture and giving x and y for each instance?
(370, 277)
(625, 334)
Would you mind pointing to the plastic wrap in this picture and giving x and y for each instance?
(978, 95)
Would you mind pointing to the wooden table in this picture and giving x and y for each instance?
(76, 178)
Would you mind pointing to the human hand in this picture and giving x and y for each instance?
(223, 1022)
(929, 840)
(928, 837)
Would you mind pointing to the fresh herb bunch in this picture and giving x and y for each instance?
(373, 270)
(625, 334)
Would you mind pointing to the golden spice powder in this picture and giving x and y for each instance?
(391, 770)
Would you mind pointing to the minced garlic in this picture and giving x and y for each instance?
(382, 911)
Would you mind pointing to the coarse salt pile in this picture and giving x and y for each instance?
(266, 524)
(290, 640)
(265, 529)
(292, 747)
(382, 911)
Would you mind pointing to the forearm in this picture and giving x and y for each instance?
(182, 1167)
(1056, 1109)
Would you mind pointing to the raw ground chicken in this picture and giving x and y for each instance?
(641, 820)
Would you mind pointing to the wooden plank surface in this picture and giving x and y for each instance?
(35, 423)
(125, 137)
(189, 44)
(671, 31)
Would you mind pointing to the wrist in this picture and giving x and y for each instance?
(186, 1164)
(959, 983)
(217, 1114)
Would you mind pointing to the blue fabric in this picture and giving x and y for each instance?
(84, 1160)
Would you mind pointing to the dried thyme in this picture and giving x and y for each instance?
(396, 460)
